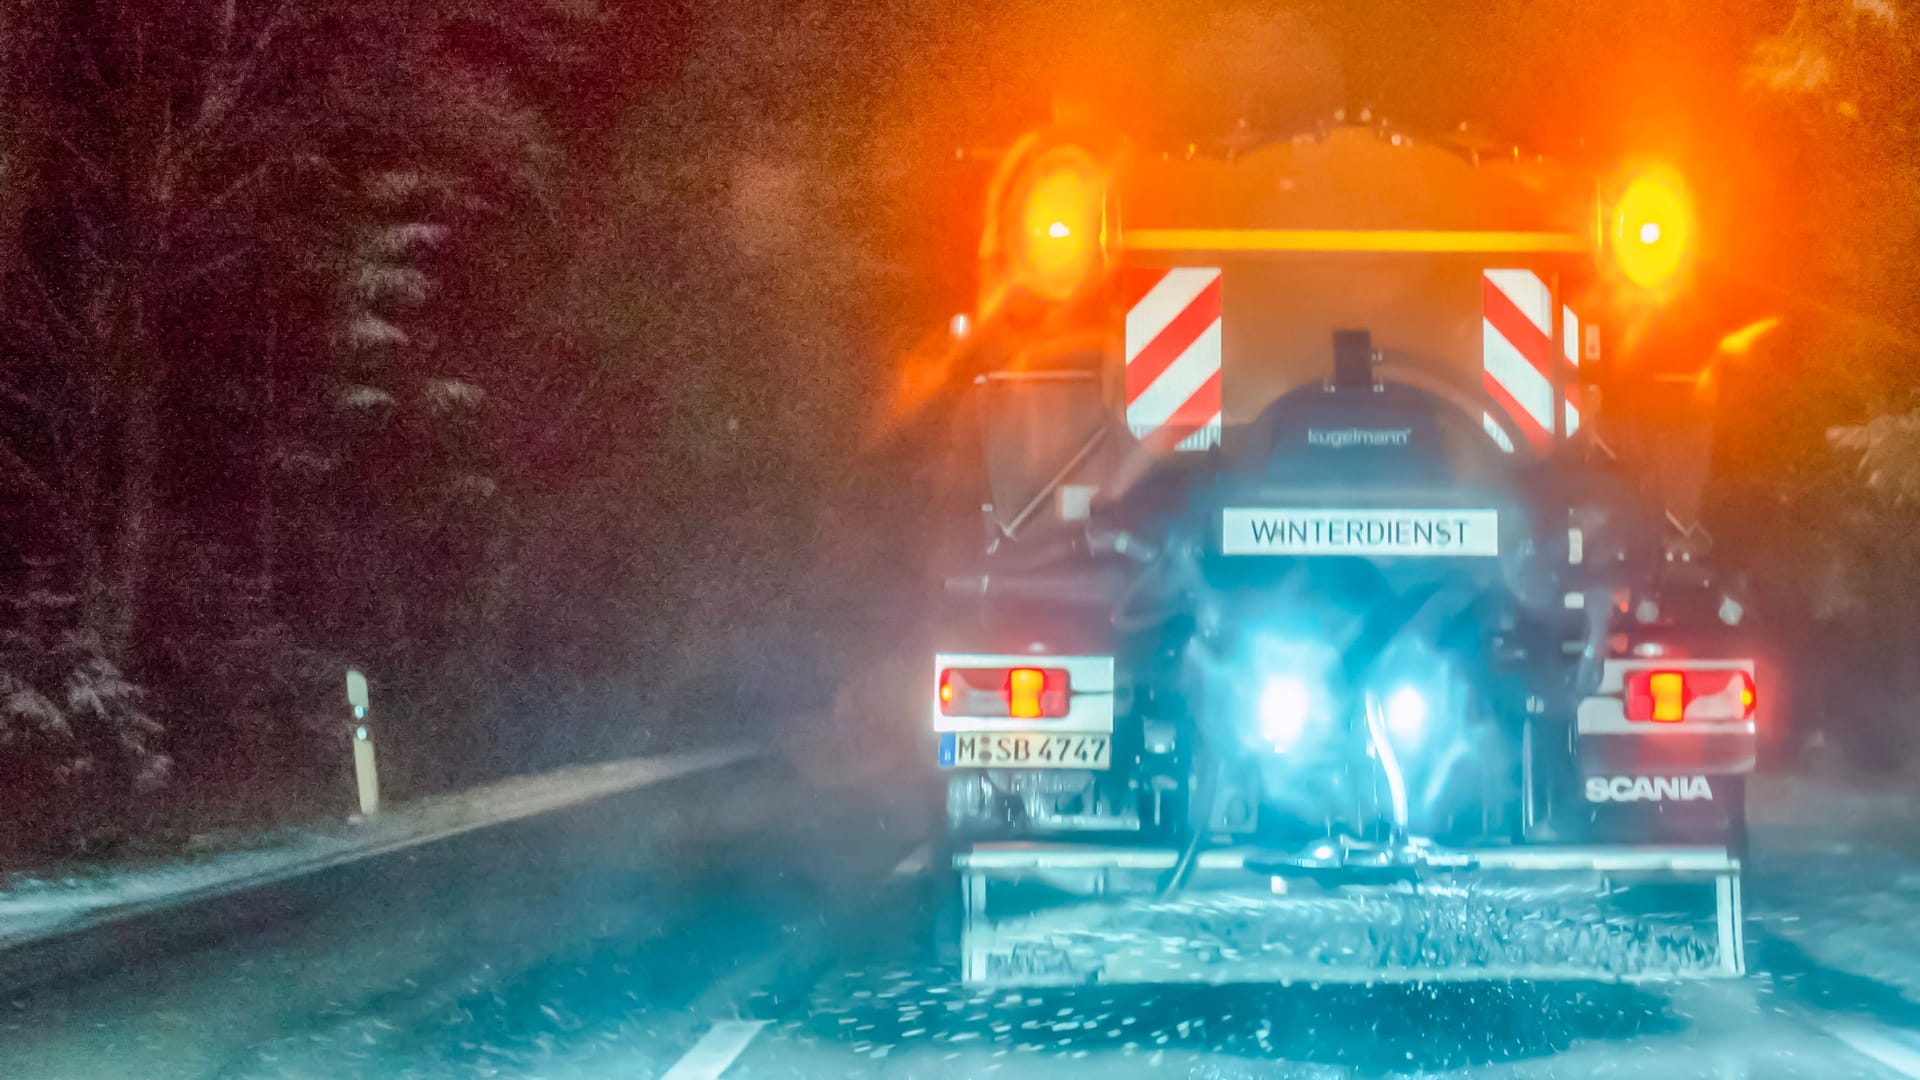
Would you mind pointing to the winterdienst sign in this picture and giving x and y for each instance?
(1443, 532)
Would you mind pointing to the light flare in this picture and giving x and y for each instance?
(1407, 714)
(1653, 230)
(1285, 705)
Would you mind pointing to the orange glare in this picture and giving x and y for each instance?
(1052, 223)
(1653, 229)
(1741, 341)
(1668, 690)
(1023, 692)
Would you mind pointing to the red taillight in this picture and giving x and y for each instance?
(1021, 693)
(1669, 697)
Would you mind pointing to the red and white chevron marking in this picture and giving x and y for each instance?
(1173, 356)
(1517, 348)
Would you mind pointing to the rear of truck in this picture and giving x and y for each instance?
(1315, 636)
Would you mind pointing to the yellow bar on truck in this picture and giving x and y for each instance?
(1353, 240)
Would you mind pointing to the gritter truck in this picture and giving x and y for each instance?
(1330, 620)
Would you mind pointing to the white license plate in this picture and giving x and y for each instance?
(1024, 750)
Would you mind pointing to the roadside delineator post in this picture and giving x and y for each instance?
(365, 773)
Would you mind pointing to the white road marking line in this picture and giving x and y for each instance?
(413, 826)
(716, 1051)
(915, 862)
(1882, 1044)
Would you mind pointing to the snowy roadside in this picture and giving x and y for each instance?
(1835, 874)
(1831, 803)
(36, 906)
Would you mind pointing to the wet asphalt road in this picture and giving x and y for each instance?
(772, 918)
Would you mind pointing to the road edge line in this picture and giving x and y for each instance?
(716, 1051)
(673, 766)
(1878, 1042)
(914, 863)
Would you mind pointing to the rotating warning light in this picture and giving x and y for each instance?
(1652, 229)
(1049, 213)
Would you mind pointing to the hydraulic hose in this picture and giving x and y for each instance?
(1389, 762)
(1202, 798)
(1593, 648)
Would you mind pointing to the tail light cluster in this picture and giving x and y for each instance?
(1022, 693)
(1670, 697)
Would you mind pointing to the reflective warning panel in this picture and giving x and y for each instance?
(1516, 336)
(1173, 355)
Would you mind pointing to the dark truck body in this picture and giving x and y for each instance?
(1603, 848)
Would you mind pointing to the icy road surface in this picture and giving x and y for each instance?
(768, 919)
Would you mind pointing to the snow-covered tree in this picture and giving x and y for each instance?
(260, 267)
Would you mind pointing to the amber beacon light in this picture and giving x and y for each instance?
(1652, 232)
(1049, 216)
